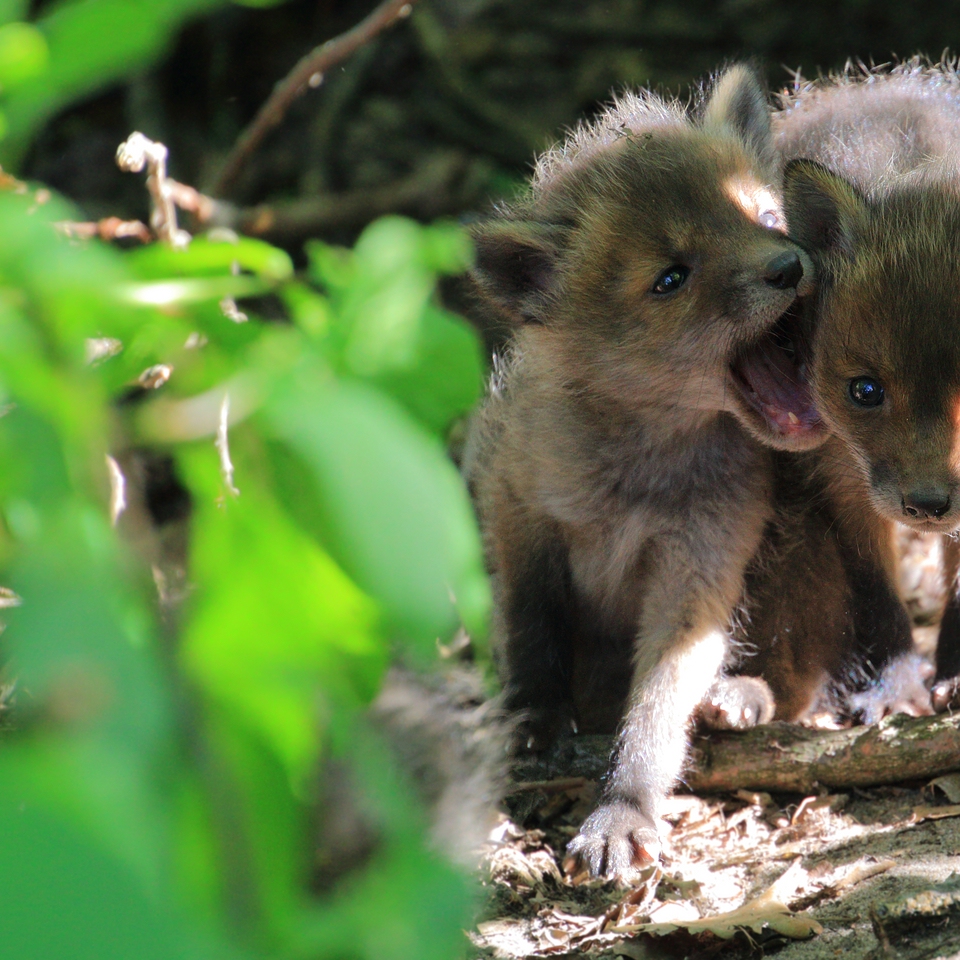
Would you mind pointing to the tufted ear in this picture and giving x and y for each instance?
(823, 209)
(738, 103)
(516, 265)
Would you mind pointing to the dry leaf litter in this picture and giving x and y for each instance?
(860, 874)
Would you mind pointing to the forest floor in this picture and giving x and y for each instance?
(859, 873)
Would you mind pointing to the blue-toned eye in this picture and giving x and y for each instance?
(770, 220)
(672, 279)
(866, 392)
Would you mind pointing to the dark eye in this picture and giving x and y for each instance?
(866, 392)
(769, 219)
(671, 279)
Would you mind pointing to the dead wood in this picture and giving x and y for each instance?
(785, 757)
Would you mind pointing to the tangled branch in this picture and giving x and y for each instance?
(306, 74)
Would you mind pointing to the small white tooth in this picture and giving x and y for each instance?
(793, 418)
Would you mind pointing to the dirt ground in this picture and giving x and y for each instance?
(863, 873)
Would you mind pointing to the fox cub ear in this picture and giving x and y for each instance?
(823, 210)
(738, 103)
(516, 265)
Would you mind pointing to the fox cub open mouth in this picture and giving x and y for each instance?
(622, 469)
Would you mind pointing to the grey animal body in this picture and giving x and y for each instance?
(620, 467)
(873, 192)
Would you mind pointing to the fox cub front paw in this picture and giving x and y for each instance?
(903, 687)
(946, 694)
(617, 836)
(736, 703)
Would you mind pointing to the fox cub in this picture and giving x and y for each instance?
(876, 202)
(619, 466)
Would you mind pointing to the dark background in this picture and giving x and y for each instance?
(443, 113)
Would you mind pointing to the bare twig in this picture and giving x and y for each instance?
(188, 198)
(137, 152)
(433, 190)
(548, 786)
(222, 443)
(109, 228)
(133, 155)
(306, 74)
(118, 489)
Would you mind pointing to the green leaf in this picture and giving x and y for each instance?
(263, 829)
(68, 640)
(13, 10)
(391, 507)
(445, 247)
(204, 257)
(447, 378)
(386, 327)
(165, 293)
(23, 53)
(65, 895)
(274, 622)
(92, 43)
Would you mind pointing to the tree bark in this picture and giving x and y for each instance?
(785, 757)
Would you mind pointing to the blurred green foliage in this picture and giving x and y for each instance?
(158, 780)
(77, 47)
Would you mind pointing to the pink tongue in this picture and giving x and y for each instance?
(778, 389)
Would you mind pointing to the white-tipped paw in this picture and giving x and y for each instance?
(946, 694)
(615, 838)
(736, 703)
(902, 687)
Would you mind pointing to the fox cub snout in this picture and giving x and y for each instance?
(616, 467)
(651, 253)
(872, 190)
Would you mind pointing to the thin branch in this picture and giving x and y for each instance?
(438, 187)
(188, 198)
(118, 489)
(222, 443)
(306, 74)
(109, 228)
(137, 152)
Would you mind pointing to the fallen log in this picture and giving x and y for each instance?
(785, 757)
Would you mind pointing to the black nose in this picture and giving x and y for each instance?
(926, 503)
(783, 271)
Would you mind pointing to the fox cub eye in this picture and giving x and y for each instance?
(866, 392)
(770, 220)
(671, 279)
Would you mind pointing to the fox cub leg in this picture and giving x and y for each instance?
(896, 678)
(946, 690)
(535, 623)
(681, 646)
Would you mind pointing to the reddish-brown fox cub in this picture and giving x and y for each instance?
(877, 204)
(619, 465)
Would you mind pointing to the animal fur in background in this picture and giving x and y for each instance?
(872, 191)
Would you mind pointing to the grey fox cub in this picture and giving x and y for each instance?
(877, 204)
(619, 466)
